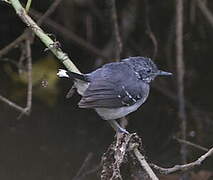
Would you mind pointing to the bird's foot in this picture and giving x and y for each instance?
(117, 127)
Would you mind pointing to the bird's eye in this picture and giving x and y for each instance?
(148, 71)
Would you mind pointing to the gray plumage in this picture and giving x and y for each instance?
(116, 89)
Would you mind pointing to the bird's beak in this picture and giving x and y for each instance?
(163, 73)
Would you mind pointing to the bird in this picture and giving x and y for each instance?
(116, 89)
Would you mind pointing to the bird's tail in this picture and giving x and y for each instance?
(69, 74)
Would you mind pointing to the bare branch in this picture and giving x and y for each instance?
(27, 109)
(115, 29)
(13, 44)
(149, 30)
(206, 12)
(114, 157)
(191, 144)
(184, 167)
(180, 75)
(143, 163)
(117, 41)
(63, 57)
(49, 11)
(29, 76)
(26, 36)
(83, 166)
(68, 34)
(126, 149)
(28, 5)
(12, 104)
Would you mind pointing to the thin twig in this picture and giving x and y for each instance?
(50, 44)
(12, 104)
(143, 163)
(117, 41)
(29, 75)
(149, 31)
(92, 170)
(49, 11)
(83, 167)
(26, 35)
(13, 44)
(184, 167)
(180, 75)
(28, 55)
(191, 144)
(206, 12)
(67, 34)
(192, 15)
(115, 29)
(29, 2)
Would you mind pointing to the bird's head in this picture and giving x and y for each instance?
(145, 68)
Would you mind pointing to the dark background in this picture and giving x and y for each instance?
(54, 140)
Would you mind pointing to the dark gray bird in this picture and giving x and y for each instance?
(116, 89)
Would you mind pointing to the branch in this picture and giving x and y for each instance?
(115, 29)
(184, 167)
(149, 30)
(26, 36)
(50, 10)
(13, 44)
(83, 171)
(117, 41)
(206, 12)
(143, 163)
(27, 109)
(125, 149)
(180, 75)
(67, 34)
(50, 44)
(191, 144)
(29, 76)
(12, 104)
(114, 157)
(29, 2)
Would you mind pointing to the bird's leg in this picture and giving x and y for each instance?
(117, 127)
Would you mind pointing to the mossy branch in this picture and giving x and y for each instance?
(49, 43)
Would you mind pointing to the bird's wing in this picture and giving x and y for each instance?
(109, 94)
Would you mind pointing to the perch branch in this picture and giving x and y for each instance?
(125, 149)
(143, 163)
(26, 36)
(50, 44)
